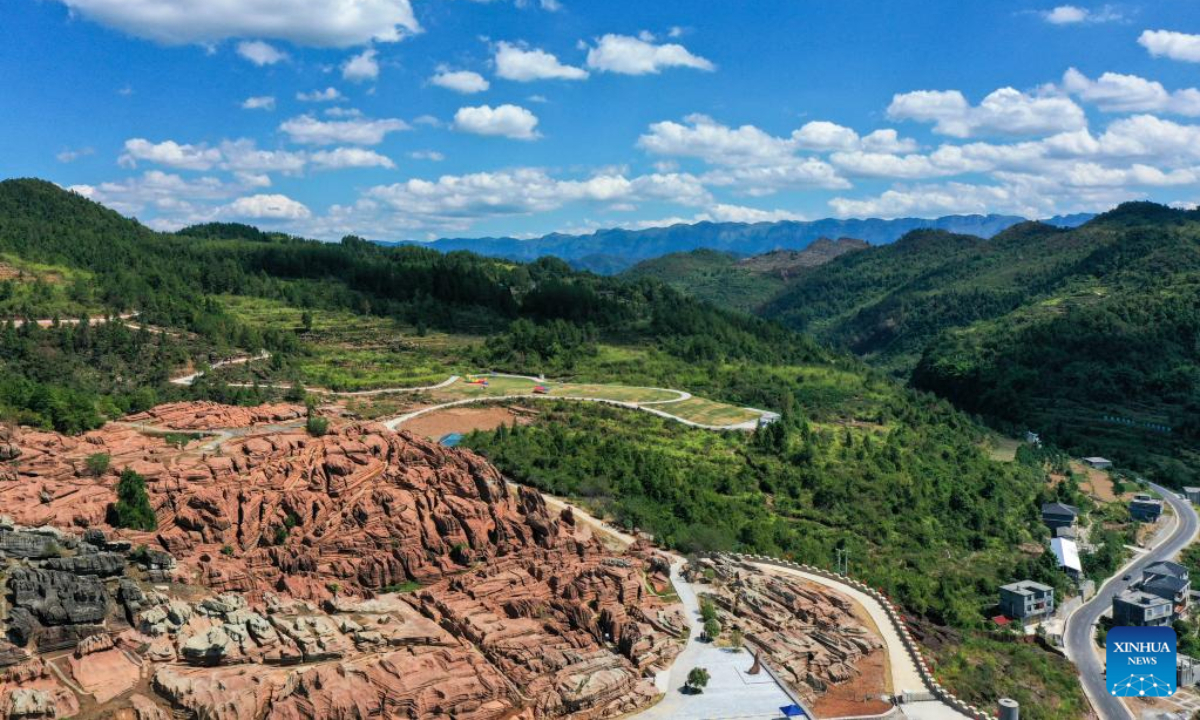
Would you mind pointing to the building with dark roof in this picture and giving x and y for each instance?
(1056, 515)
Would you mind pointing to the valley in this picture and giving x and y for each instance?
(290, 407)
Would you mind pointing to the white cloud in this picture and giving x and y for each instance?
(316, 23)
(162, 192)
(823, 136)
(69, 155)
(741, 214)
(454, 203)
(259, 102)
(430, 155)
(511, 121)
(460, 81)
(267, 207)
(1114, 92)
(705, 138)
(308, 130)
(526, 65)
(343, 112)
(348, 157)
(1005, 111)
(753, 161)
(169, 153)
(1170, 44)
(1074, 15)
(361, 67)
(636, 56)
(329, 94)
(260, 53)
(244, 156)
(548, 5)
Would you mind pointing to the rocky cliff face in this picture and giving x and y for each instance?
(263, 592)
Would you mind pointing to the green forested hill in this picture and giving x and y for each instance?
(1089, 335)
(743, 284)
(172, 279)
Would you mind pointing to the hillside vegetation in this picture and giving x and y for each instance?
(1087, 335)
(743, 284)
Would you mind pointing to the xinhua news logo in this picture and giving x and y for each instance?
(1140, 661)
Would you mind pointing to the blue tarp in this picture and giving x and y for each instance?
(792, 711)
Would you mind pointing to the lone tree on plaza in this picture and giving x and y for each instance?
(697, 680)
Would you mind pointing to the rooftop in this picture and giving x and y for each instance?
(1057, 508)
(1026, 587)
(1137, 597)
(1166, 567)
(1067, 553)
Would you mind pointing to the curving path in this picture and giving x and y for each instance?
(1080, 633)
(393, 423)
(747, 425)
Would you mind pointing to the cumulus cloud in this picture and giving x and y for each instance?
(361, 67)
(1074, 15)
(514, 62)
(350, 157)
(316, 23)
(511, 121)
(267, 207)
(460, 81)
(161, 192)
(454, 203)
(1114, 92)
(641, 56)
(259, 102)
(822, 136)
(750, 159)
(1005, 111)
(329, 94)
(260, 53)
(700, 136)
(722, 212)
(169, 153)
(308, 130)
(1170, 44)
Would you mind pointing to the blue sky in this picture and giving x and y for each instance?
(464, 117)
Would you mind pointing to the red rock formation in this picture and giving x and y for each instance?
(212, 416)
(523, 615)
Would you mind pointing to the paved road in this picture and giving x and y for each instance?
(1080, 632)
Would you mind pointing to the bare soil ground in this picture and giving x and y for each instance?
(1099, 485)
(436, 425)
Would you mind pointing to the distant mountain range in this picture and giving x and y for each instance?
(614, 250)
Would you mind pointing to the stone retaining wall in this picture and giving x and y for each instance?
(933, 688)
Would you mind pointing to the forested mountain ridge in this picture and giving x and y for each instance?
(1087, 334)
(742, 283)
(613, 250)
(51, 377)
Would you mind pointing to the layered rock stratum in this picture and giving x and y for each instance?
(362, 574)
(365, 573)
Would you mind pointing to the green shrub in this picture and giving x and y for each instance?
(132, 509)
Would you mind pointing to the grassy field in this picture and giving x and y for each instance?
(345, 352)
(348, 352)
(708, 412)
